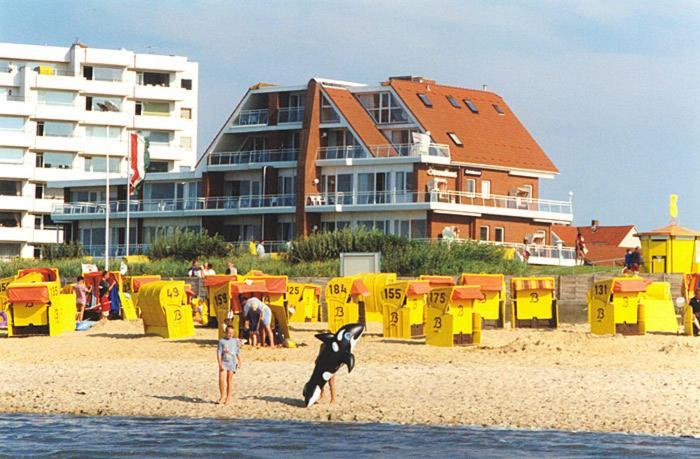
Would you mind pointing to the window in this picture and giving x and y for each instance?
(328, 113)
(455, 139)
(483, 233)
(471, 187)
(99, 164)
(54, 128)
(10, 219)
(186, 142)
(425, 99)
(103, 104)
(138, 108)
(10, 188)
(102, 73)
(56, 97)
(499, 234)
(12, 123)
(470, 105)
(186, 113)
(419, 229)
(154, 137)
(39, 191)
(49, 160)
(103, 132)
(153, 79)
(10, 155)
(454, 103)
(158, 166)
(498, 109)
(186, 84)
(153, 108)
(10, 93)
(383, 107)
(486, 189)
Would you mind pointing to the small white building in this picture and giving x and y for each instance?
(65, 115)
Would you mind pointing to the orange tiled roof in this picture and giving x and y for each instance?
(671, 230)
(488, 138)
(356, 115)
(602, 244)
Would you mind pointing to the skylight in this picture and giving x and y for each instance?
(498, 109)
(455, 139)
(471, 105)
(425, 99)
(454, 103)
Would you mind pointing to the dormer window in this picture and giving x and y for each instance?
(470, 105)
(425, 99)
(498, 109)
(454, 103)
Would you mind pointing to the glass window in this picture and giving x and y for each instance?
(55, 160)
(163, 190)
(186, 142)
(157, 136)
(10, 93)
(12, 123)
(10, 155)
(425, 100)
(55, 128)
(10, 188)
(186, 113)
(157, 166)
(498, 109)
(455, 139)
(99, 164)
(153, 79)
(328, 113)
(454, 103)
(10, 219)
(471, 186)
(499, 234)
(155, 108)
(103, 104)
(418, 229)
(484, 233)
(103, 132)
(106, 74)
(186, 83)
(486, 189)
(470, 105)
(56, 97)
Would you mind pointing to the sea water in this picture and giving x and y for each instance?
(76, 436)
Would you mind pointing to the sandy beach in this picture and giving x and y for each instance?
(565, 379)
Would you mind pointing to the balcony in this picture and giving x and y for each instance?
(104, 146)
(251, 158)
(47, 235)
(15, 105)
(154, 92)
(112, 88)
(190, 207)
(290, 115)
(15, 138)
(158, 122)
(252, 118)
(58, 143)
(56, 111)
(443, 201)
(102, 118)
(61, 79)
(433, 152)
(117, 250)
(19, 203)
(549, 255)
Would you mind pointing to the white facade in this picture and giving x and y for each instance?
(65, 111)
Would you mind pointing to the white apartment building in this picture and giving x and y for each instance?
(66, 114)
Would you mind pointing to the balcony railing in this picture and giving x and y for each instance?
(173, 205)
(252, 118)
(115, 250)
(11, 98)
(290, 115)
(221, 158)
(343, 152)
(447, 197)
(385, 151)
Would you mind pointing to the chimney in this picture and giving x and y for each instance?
(594, 225)
(484, 87)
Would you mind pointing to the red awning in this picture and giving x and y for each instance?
(487, 282)
(630, 285)
(218, 279)
(49, 274)
(359, 288)
(248, 287)
(467, 292)
(141, 281)
(417, 288)
(274, 284)
(28, 294)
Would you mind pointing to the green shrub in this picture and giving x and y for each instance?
(73, 249)
(188, 245)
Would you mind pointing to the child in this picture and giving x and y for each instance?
(229, 360)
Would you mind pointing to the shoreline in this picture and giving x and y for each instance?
(563, 380)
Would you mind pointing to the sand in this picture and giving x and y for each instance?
(565, 379)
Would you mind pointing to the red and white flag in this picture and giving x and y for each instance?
(138, 160)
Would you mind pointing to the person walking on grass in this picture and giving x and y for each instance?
(229, 359)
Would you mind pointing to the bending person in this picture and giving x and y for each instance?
(265, 317)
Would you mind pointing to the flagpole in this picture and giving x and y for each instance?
(128, 193)
(107, 217)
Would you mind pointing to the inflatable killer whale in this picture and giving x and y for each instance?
(336, 350)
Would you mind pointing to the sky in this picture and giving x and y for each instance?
(610, 90)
